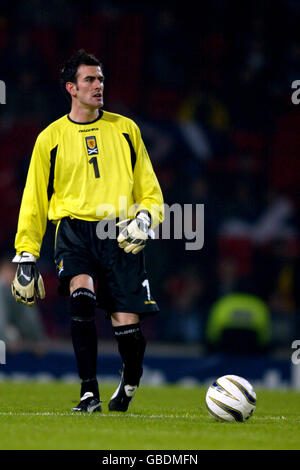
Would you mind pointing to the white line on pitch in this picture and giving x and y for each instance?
(127, 415)
(110, 415)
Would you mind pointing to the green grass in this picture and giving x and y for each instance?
(37, 416)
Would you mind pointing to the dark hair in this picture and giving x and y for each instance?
(69, 71)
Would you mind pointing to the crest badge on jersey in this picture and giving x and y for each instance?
(91, 145)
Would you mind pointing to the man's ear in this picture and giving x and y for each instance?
(71, 88)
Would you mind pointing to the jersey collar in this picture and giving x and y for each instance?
(89, 122)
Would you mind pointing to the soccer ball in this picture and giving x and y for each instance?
(231, 398)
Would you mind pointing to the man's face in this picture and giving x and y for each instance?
(89, 86)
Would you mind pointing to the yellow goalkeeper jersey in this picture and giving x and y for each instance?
(86, 171)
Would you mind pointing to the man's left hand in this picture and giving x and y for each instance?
(135, 232)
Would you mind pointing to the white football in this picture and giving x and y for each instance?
(231, 398)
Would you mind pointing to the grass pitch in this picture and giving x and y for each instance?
(38, 416)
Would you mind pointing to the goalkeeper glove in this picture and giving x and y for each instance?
(28, 283)
(135, 232)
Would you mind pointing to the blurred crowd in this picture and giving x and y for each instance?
(211, 92)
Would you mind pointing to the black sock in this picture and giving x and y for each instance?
(84, 338)
(90, 385)
(132, 345)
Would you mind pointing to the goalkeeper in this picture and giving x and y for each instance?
(82, 160)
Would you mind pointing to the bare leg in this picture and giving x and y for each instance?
(82, 280)
(121, 318)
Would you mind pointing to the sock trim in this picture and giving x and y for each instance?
(126, 329)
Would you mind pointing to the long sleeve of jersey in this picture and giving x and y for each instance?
(34, 206)
(146, 190)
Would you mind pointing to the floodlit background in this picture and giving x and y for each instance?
(211, 91)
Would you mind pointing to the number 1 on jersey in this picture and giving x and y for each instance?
(145, 283)
(94, 161)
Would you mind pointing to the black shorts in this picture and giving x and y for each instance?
(121, 278)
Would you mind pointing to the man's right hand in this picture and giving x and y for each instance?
(28, 283)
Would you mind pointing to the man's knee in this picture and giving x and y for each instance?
(81, 280)
(82, 305)
(122, 319)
